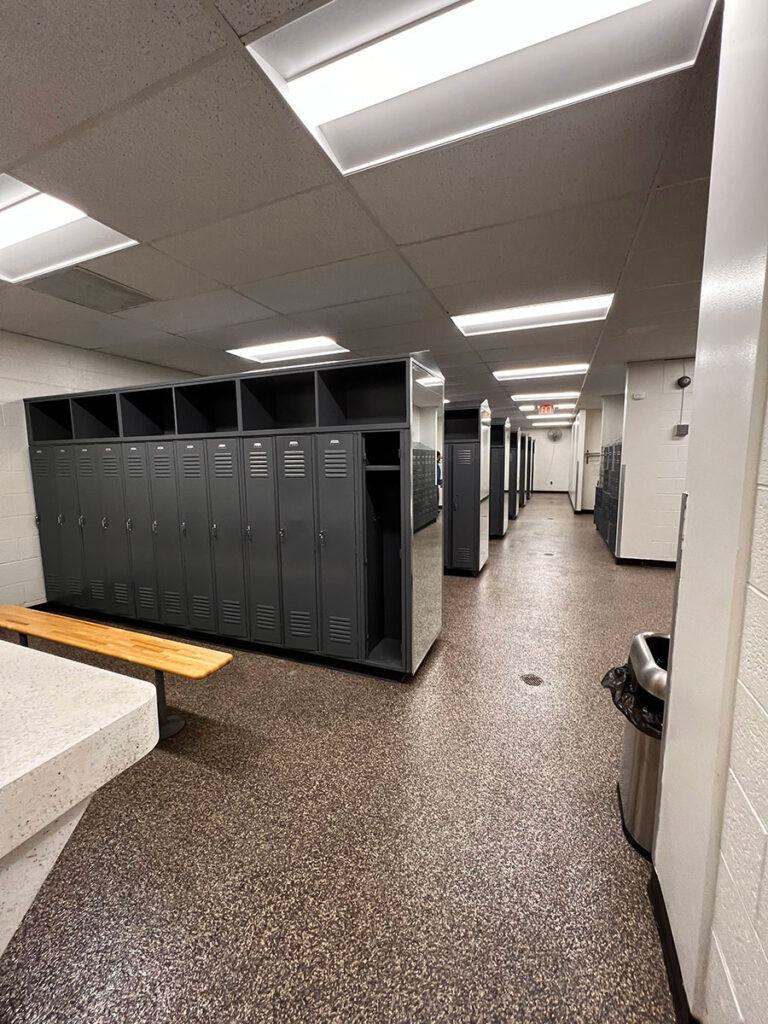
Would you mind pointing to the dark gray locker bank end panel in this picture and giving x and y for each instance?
(227, 536)
(337, 465)
(165, 529)
(60, 542)
(464, 469)
(297, 541)
(383, 568)
(498, 507)
(138, 516)
(195, 533)
(262, 552)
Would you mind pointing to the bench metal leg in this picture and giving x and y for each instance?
(169, 724)
(23, 639)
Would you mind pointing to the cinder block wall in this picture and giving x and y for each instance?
(30, 367)
(737, 976)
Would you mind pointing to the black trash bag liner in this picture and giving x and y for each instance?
(642, 709)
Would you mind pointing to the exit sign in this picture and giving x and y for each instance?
(545, 410)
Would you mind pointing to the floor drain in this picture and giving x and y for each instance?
(531, 680)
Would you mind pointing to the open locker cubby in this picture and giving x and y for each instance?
(206, 408)
(462, 425)
(384, 609)
(382, 450)
(362, 394)
(278, 403)
(50, 420)
(148, 413)
(95, 416)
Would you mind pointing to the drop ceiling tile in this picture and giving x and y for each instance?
(582, 336)
(590, 151)
(198, 312)
(366, 277)
(435, 335)
(644, 305)
(178, 354)
(536, 357)
(563, 254)
(151, 272)
(676, 215)
(411, 307)
(251, 333)
(674, 264)
(292, 234)
(62, 67)
(212, 144)
(246, 15)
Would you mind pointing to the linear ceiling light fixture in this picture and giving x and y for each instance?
(545, 396)
(565, 370)
(528, 318)
(373, 90)
(298, 348)
(552, 417)
(40, 234)
(432, 381)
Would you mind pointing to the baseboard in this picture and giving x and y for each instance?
(680, 1002)
(648, 563)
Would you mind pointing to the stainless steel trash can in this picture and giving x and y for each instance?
(639, 691)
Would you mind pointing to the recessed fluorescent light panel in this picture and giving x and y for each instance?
(432, 381)
(299, 348)
(374, 84)
(528, 318)
(565, 370)
(40, 234)
(552, 418)
(544, 396)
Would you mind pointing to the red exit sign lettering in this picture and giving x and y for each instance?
(545, 410)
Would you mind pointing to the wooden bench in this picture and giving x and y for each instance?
(141, 649)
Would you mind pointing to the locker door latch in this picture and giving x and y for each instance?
(214, 530)
(282, 534)
(154, 527)
(321, 538)
(60, 519)
(80, 521)
(184, 528)
(129, 525)
(37, 519)
(104, 522)
(248, 532)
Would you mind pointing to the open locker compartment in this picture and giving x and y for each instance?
(383, 576)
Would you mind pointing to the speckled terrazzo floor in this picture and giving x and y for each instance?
(319, 846)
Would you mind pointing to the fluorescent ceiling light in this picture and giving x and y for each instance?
(565, 405)
(277, 351)
(552, 417)
(432, 381)
(40, 234)
(545, 396)
(446, 401)
(528, 318)
(526, 408)
(565, 370)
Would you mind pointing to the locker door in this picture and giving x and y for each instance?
(69, 534)
(195, 534)
(138, 517)
(46, 503)
(297, 541)
(227, 532)
(337, 491)
(497, 491)
(120, 597)
(91, 518)
(465, 542)
(165, 527)
(262, 556)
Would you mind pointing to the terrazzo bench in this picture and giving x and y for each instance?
(139, 648)
(68, 729)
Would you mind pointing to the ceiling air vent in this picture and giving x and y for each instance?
(85, 288)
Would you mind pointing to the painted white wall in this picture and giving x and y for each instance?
(30, 367)
(612, 423)
(551, 464)
(591, 466)
(723, 461)
(576, 460)
(653, 460)
(737, 973)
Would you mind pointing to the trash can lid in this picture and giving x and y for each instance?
(643, 654)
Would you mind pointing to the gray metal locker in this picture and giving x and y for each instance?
(49, 526)
(227, 536)
(499, 509)
(297, 541)
(262, 556)
(92, 526)
(464, 487)
(166, 531)
(119, 579)
(138, 515)
(196, 531)
(69, 539)
(337, 463)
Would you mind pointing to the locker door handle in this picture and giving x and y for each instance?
(60, 519)
(282, 535)
(129, 525)
(154, 527)
(80, 521)
(184, 528)
(104, 522)
(37, 519)
(214, 530)
(321, 538)
(248, 532)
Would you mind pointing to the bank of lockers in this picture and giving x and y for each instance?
(426, 501)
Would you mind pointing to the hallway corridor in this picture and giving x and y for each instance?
(320, 846)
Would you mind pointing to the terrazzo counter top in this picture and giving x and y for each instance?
(67, 729)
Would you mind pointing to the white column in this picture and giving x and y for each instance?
(732, 367)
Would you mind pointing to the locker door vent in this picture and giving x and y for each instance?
(223, 465)
(258, 464)
(294, 464)
(40, 466)
(161, 463)
(97, 590)
(191, 465)
(335, 463)
(146, 597)
(463, 557)
(74, 586)
(300, 624)
(339, 630)
(120, 592)
(53, 585)
(63, 467)
(265, 617)
(231, 613)
(84, 465)
(201, 606)
(135, 466)
(172, 602)
(464, 456)
(109, 465)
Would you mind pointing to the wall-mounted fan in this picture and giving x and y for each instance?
(554, 434)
